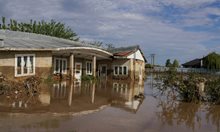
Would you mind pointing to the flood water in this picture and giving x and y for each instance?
(104, 106)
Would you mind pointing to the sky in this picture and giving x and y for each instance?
(171, 29)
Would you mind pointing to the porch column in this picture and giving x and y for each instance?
(93, 93)
(71, 65)
(70, 97)
(94, 66)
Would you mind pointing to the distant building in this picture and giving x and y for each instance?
(196, 63)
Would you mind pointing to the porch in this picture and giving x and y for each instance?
(81, 61)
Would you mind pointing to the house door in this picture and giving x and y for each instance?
(103, 70)
(78, 71)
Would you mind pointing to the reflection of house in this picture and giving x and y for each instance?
(26, 54)
(59, 90)
(70, 97)
(124, 93)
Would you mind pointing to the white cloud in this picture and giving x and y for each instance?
(187, 3)
(200, 17)
(125, 22)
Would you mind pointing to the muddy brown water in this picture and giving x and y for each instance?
(105, 106)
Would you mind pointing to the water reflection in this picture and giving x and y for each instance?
(174, 113)
(128, 96)
(66, 96)
(179, 113)
(157, 113)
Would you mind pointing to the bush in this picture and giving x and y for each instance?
(212, 91)
(88, 78)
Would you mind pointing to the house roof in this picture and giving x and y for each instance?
(19, 41)
(23, 40)
(126, 51)
(192, 62)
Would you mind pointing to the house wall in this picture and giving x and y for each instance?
(76, 60)
(134, 68)
(122, 62)
(137, 55)
(109, 66)
(139, 66)
(43, 63)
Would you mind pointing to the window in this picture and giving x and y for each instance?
(120, 70)
(125, 70)
(116, 70)
(24, 64)
(88, 68)
(60, 65)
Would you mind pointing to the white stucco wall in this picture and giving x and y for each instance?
(137, 55)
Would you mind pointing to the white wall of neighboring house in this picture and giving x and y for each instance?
(137, 55)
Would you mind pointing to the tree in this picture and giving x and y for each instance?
(3, 23)
(212, 61)
(109, 46)
(175, 63)
(52, 28)
(96, 43)
(168, 63)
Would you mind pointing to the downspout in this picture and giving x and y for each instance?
(134, 65)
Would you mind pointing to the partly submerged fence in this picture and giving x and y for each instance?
(184, 70)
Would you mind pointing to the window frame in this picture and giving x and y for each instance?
(118, 70)
(63, 68)
(88, 71)
(22, 65)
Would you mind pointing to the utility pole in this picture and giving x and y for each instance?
(152, 56)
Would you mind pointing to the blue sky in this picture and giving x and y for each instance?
(175, 29)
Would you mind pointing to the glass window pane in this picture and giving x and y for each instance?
(25, 65)
(18, 65)
(116, 70)
(120, 70)
(90, 67)
(60, 67)
(64, 66)
(87, 67)
(57, 66)
(31, 65)
(125, 70)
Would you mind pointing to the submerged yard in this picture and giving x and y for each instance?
(106, 106)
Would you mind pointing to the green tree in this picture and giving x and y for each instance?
(109, 46)
(175, 63)
(168, 63)
(52, 28)
(212, 61)
(3, 23)
(96, 43)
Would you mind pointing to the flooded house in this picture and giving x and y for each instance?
(196, 63)
(28, 54)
